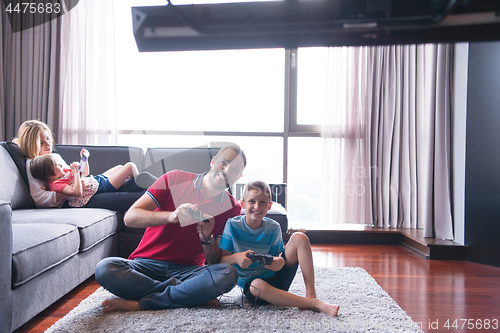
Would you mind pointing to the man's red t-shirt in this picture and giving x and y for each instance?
(171, 242)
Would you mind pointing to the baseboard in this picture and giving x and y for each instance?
(436, 249)
(353, 237)
(412, 239)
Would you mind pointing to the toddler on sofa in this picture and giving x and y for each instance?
(49, 168)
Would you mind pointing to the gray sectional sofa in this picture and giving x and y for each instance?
(45, 253)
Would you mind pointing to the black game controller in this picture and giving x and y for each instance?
(197, 214)
(255, 257)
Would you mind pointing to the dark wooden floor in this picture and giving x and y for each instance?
(431, 292)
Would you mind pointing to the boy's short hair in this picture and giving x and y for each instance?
(258, 185)
(42, 167)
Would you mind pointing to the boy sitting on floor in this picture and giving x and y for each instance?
(255, 233)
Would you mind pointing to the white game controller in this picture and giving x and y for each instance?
(83, 162)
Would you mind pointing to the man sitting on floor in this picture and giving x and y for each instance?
(167, 269)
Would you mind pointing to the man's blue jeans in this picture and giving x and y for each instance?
(161, 285)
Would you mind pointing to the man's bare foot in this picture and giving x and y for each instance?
(213, 303)
(329, 309)
(119, 304)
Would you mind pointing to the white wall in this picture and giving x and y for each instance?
(459, 126)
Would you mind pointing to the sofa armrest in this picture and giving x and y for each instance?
(5, 266)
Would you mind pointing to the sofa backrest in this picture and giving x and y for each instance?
(13, 187)
(101, 158)
(18, 157)
(278, 192)
(158, 161)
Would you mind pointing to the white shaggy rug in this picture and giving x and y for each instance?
(364, 306)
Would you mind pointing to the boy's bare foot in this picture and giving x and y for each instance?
(336, 309)
(120, 304)
(311, 295)
(329, 309)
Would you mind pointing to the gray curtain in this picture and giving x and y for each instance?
(387, 137)
(411, 138)
(3, 125)
(29, 76)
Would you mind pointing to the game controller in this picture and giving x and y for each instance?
(83, 162)
(197, 214)
(255, 257)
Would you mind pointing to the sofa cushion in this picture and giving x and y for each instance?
(102, 158)
(158, 161)
(37, 247)
(94, 224)
(13, 188)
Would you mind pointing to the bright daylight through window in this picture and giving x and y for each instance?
(189, 99)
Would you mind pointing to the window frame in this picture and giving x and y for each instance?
(295, 128)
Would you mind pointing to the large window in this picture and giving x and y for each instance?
(304, 182)
(311, 85)
(268, 101)
(236, 90)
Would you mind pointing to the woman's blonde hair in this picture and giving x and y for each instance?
(28, 137)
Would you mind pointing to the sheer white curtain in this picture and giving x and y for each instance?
(87, 99)
(346, 172)
(387, 137)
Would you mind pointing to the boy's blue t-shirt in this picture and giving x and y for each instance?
(239, 237)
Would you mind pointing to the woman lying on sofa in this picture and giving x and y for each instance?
(36, 139)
